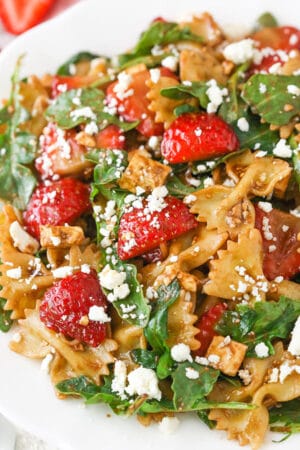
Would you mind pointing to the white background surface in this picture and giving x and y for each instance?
(26, 395)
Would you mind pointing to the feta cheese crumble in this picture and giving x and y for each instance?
(181, 352)
(98, 314)
(261, 350)
(243, 124)
(294, 346)
(142, 381)
(282, 149)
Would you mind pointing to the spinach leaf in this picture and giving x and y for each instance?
(263, 323)
(145, 358)
(266, 20)
(197, 89)
(5, 320)
(271, 104)
(92, 393)
(159, 33)
(65, 68)
(89, 105)
(189, 392)
(235, 108)
(286, 417)
(110, 164)
(18, 149)
(177, 188)
(164, 405)
(156, 331)
(203, 416)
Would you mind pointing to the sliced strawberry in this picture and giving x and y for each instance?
(111, 137)
(279, 232)
(266, 63)
(193, 137)
(206, 325)
(66, 305)
(279, 38)
(133, 103)
(56, 203)
(142, 230)
(19, 15)
(66, 83)
(60, 153)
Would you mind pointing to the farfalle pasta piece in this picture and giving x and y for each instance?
(91, 361)
(181, 321)
(163, 107)
(287, 288)
(212, 207)
(204, 25)
(237, 273)
(201, 64)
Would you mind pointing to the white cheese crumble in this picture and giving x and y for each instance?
(119, 380)
(293, 89)
(121, 88)
(241, 51)
(215, 96)
(168, 425)
(98, 314)
(265, 206)
(170, 62)
(181, 352)
(155, 75)
(62, 272)
(85, 112)
(262, 88)
(191, 373)
(110, 278)
(282, 149)
(23, 240)
(261, 350)
(91, 128)
(245, 376)
(294, 346)
(85, 268)
(142, 381)
(243, 124)
(15, 273)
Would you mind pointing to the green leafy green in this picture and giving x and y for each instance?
(89, 105)
(203, 416)
(158, 34)
(286, 417)
(18, 150)
(92, 393)
(4, 115)
(263, 323)
(149, 60)
(164, 405)
(65, 68)
(196, 89)
(145, 358)
(184, 109)
(5, 320)
(266, 20)
(109, 164)
(177, 188)
(156, 331)
(188, 392)
(235, 108)
(271, 104)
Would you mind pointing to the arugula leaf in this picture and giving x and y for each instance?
(188, 392)
(109, 164)
(164, 405)
(64, 69)
(177, 188)
(234, 109)
(263, 323)
(156, 331)
(266, 20)
(286, 417)
(203, 416)
(159, 33)
(18, 149)
(5, 320)
(271, 105)
(92, 393)
(181, 91)
(89, 106)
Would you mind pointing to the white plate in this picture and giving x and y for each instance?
(26, 395)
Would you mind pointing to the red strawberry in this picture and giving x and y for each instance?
(206, 325)
(197, 136)
(66, 83)
(68, 301)
(56, 203)
(111, 137)
(141, 230)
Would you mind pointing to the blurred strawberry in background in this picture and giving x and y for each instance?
(18, 16)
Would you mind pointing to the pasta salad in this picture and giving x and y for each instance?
(150, 226)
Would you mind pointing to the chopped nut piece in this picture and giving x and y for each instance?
(60, 236)
(144, 172)
(231, 355)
